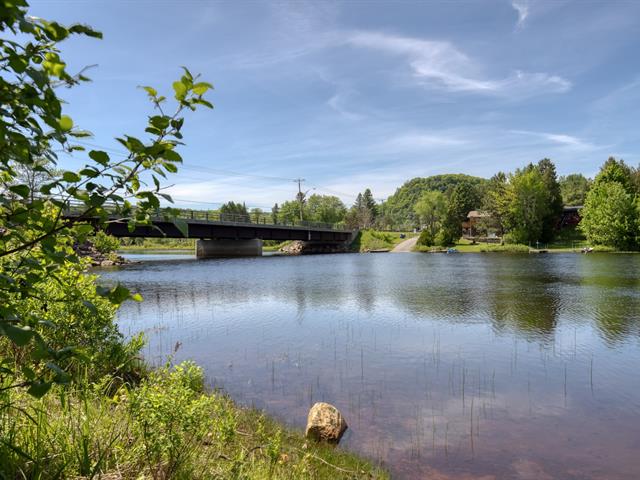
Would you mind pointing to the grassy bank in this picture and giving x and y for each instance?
(110, 416)
(165, 427)
(368, 240)
(159, 244)
(561, 246)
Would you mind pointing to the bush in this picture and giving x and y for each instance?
(511, 248)
(105, 243)
(171, 415)
(426, 239)
(443, 239)
(82, 321)
(509, 239)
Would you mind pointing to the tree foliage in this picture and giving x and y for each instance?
(325, 209)
(35, 234)
(431, 209)
(399, 208)
(233, 208)
(574, 189)
(611, 214)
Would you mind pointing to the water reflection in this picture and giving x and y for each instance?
(495, 365)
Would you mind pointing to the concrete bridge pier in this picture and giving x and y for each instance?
(228, 248)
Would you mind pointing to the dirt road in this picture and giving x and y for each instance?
(406, 246)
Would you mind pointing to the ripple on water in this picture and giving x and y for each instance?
(452, 366)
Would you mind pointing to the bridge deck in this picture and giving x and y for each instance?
(227, 227)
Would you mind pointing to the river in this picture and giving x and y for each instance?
(456, 366)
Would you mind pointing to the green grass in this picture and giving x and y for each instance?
(157, 244)
(273, 245)
(165, 427)
(368, 240)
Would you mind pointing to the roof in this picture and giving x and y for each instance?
(478, 214)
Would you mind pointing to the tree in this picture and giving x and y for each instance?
(36, 237)
(370, 203)
(574, 189)
(325, 209)
(554, 199)
(462, 199)
(528, 205)
(616, 171)
(257, 214)
(275, 210)
(290, 211)
(610, 216)
(495, 201)
(234, 209)
(431, 209)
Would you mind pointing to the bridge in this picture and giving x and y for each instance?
(225, 235)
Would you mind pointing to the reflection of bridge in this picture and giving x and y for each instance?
(226, 235)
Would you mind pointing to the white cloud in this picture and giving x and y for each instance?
(522, 7)
(559, 139)
(441, 64)
(420, 141)
(337, 103)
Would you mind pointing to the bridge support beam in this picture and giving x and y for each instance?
(228, 248)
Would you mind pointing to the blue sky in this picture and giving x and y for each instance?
(359, 94)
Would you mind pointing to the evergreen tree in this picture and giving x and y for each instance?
(554, 198)
(274, 213)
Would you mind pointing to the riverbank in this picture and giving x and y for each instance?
(374, 240)
(517, 248)
(167, 426)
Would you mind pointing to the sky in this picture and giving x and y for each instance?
(357, 94)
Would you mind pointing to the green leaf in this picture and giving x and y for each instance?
(39, 389)
(66, 123)
(136, 297)
(18, 335)
(119, 294)
(99, 156)
(21, 190)
(92, 308)
(151, 91)
(71, 177)
(182, 226)
(180, 89)
(201, 88)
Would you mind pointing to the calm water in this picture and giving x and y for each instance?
(462, 366)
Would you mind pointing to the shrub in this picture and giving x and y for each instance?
(81, 321)
(509, 239)
(172, 415)
(105, 243)
(426, 239)
(442, 239)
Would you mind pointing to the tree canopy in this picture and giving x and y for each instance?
(36, 237)
(399, 208)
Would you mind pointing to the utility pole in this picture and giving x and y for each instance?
(300, 194)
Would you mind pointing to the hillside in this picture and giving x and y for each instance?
(399, 206)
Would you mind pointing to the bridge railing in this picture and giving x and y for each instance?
(217, 217)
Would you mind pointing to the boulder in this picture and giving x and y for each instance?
(325, 423)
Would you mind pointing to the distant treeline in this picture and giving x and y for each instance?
(523, 206)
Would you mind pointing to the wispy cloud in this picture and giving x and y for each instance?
(420, 142)
(337, 103)
(441, 64)
(559, 139)
(522, 7)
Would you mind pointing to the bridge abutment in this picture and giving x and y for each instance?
(228, 248)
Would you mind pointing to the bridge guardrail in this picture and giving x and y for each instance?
(76, 208)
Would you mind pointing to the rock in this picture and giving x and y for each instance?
(325, 423)
(106, 263)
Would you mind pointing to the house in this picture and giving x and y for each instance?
(570, 217)
(471, 224)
